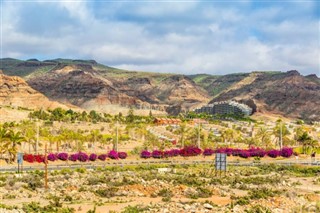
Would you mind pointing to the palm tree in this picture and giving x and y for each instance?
(228, 135)
(64, 137)
(93, 137)
(251, 141)
(151, 141)
(182, 131)
(52, 139)
(307, 142)
(281, 132)
(299, 130)
(30, 137)
(4, 141)
(106, 139)
(23, 127)
(79, 140)
(264, 136)
(142, 131)
(16, 139)
(59, 140)
(4, 133)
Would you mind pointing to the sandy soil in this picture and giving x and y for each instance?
(8, 114)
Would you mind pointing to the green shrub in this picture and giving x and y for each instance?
(263, 193)
(200, 193)
(165, 193)
(66, 172)
(166, 199)
(53, 207)
(81, 170)
(93, 210)
(12, 181)
(134, 209)
(3, 178)
(242, 201)
(32, 207)
(107, 192)
(258, 209)
(4, 206)
(8, 196)
(33, 181)
(95, 180)
(204, 192)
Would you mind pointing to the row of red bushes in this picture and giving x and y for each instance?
(80, 156)
(194, 151)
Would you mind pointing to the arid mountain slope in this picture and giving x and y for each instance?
(289, 94)
(91, 85)
(14, 91)
(78, 87)
(214, 85)
(88, 86)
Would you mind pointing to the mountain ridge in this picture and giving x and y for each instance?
(87, 83)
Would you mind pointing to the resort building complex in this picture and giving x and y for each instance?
(225, 107)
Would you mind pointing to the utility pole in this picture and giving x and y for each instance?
(198, 135)
(117, 136)
(37, 140)
(280, 135)
(45, 167)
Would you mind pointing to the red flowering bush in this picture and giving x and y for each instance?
(208, 152)
(62, 156)
(190, 151)
(286, 152)
(93, 157)
(82, 157)
(122, 155)
(73, 157)
(103, 157)
(52, 157)
(244, 154)
(274, 153)
(113, 154)
(168, 153)
(175, 152)
(257, 152)
(29, 158)
(145, 154)
(39, 158)
(157, 154)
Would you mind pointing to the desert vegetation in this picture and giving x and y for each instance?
(238, 137)
(91, 138)
(148, 189)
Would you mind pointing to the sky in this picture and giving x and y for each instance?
(186, 37)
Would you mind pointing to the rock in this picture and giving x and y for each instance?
(16, 92)
(190, 191)
(186, 207)
(207, 206)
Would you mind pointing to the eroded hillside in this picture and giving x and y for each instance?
(14, 91)
(289, 94)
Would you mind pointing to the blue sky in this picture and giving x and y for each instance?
(215, 37)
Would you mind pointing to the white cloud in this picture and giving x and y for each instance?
(77, 10)
(167, 37)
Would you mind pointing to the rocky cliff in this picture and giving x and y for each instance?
(289, 94)
(87, 87)
(14, 91)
